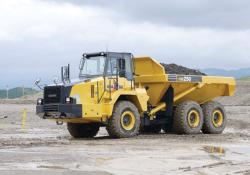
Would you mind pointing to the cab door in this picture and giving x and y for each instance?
(119, 70)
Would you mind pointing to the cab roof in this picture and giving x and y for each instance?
(96, 54)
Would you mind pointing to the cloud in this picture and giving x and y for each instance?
(37, 37)
(221, 14)
(37, 19)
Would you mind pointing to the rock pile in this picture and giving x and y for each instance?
(177, 69)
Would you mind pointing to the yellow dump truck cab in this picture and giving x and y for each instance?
(129, 95)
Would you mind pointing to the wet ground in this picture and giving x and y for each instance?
(43, 147)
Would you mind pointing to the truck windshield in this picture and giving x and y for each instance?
(92, 67)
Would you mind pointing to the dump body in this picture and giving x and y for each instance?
(151, 75)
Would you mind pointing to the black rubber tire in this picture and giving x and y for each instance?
(152, 129)
(114, 126)
(208, 110)
(180, 120)
(86, 130)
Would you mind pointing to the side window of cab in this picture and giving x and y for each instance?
(111, 67)
(127, 67)
(120, 65)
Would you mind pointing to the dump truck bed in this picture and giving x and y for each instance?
(201, 89)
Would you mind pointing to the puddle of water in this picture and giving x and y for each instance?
(214, 149)
(222, 150)
(240, 150)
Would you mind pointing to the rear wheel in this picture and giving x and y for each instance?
(188, 118)
(125, 121)
(86, 130)
(214, 118)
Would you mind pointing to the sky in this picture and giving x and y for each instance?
(37, 37)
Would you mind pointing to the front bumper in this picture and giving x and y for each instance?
(59, 111)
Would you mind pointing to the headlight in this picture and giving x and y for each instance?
(68, 100)
(39, 101)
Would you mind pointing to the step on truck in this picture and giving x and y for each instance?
(130, 95)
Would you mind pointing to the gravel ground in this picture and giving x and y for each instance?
(43, 147)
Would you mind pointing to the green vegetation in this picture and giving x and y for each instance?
(244, 79)
(17, 92)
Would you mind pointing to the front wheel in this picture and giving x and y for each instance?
(86, 130)
(125, 121)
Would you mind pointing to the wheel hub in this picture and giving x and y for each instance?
(193, 119)
(217, 118)
(128, 120)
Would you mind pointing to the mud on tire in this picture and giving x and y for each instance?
(188, 118)
(86, 130)
(214, 118)
(125, 120)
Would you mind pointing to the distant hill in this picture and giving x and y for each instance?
(237, 73)
(17, 92)
(244, 79)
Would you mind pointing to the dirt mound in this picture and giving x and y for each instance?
(177, 69)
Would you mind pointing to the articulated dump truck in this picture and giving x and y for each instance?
(131, 95)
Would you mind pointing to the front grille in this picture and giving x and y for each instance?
(52, 94)
(51, 108)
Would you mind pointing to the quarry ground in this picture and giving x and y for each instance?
(42, 147)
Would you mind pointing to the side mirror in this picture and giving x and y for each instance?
(37, 83)
(56, 80)
(65, 72)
